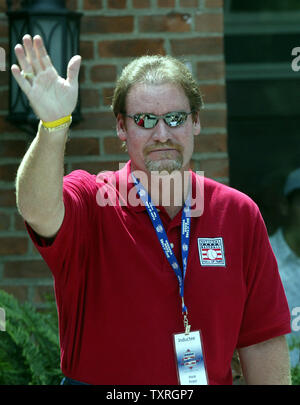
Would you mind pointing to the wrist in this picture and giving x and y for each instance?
(57, 125)
(57, 133)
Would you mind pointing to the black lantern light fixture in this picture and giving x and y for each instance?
(59, 27)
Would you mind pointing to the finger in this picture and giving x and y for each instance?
(22, 60)
(31, 54)
(22, 82)
(73, 69)
(41, 52)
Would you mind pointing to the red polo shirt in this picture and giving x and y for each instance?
(118, 298)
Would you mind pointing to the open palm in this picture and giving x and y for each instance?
(50, 96)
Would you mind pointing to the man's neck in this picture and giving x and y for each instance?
(167, 190)
(172, 211)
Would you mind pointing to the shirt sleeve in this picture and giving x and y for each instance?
(266, 312)
(79, 196)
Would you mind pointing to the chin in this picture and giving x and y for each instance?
(168, 166)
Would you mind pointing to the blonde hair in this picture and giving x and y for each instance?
(156, 69)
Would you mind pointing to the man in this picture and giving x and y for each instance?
(286, 246)
(151, 287)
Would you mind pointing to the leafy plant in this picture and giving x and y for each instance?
(29, 348)
(295, 371)
(296, 375)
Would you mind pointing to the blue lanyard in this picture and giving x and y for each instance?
(164, 241)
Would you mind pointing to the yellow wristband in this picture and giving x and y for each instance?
(57, 123)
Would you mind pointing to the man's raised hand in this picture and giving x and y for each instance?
(50, 96)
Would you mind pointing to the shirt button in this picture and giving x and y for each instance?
(172, 245)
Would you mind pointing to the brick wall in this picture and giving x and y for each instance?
(112, 32)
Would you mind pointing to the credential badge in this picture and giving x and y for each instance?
(211, 252)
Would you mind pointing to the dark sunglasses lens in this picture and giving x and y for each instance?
(145, 120)
(175, 119)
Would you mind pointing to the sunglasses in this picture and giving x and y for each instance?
(148, 121)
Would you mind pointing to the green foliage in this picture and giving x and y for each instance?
(296, 375)
(29, 348)
(295, 372)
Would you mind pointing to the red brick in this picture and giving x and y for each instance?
(166, 3)
(19, 292)
(7, 198)
(8, 172)
(87, 49)
(89, 98)
(13, 246)
(141, 3)
(19, 222)
(82, 74)
(103, 73)
(210, 143)
(4, 221)
(209, 22)
(6, 126)
(97, 121)
(82, 146)
(13, 148)
(213, 118)
(197, 46)
(96, 167)
(26, 269)
(131, 47)
(92, 4)
(72, 5)
(173, 22)
(41, 293)
(214, 167)
(213, 93)
(35, 252)
(106, 25)
(113, 145)
(117, 4)
(211, 70)
(188, 3)
(107, 95)
(214, 3)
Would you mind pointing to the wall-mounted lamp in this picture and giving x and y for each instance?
(59, 28)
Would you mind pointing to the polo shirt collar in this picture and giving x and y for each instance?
(124, 180)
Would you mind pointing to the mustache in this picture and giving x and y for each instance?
(162, 146)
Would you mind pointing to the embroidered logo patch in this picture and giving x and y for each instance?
(211, 252)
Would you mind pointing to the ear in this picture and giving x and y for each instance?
(121, 127)
(196, 124)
